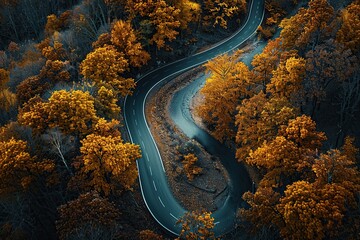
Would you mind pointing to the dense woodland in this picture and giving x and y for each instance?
(294, 116)
(67, 170)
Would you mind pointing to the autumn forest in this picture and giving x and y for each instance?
(68, 166)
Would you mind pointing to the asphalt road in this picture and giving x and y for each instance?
(154, 186)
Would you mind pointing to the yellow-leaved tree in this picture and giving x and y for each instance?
(123, 37)
(71, 112)
(107, 163)
(105, 66)
(18, 169)
(258, 120)
(197, 225)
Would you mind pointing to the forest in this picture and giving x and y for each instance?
(67, 165)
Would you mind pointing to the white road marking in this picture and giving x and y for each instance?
(173, 216)
(216, 223)
(135, 122)
(134, 102)
(151, 174)
(134, 112)
(161, 202)
(142, 143)
(139, 132)
(147, 156)
(154, 186)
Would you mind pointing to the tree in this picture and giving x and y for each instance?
(265, 63)
(189, 166)
(262, 211)
(159, 16)
(104, 66)
(88, 217)
(302, 131)
(31, 87)
(308, 26)
(328, 64)
(124, 39)
(71, 112)
(189, 12)
(223, 90)
(312, 213)
(149, 235)
(7, 98)
(197, 225)
(350, 26)
(108, 163)
(18, 169)
(220, 12)
(259, 119)
(106, 103)
(287, 80)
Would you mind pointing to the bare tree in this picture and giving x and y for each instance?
(60, 144)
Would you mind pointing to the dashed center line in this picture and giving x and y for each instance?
(135, 122)
(216, 223)
(134, 112)
(161, 202)
(147, 156)
(134, 102)
(155, 186)
(151, 175)
(139, 132)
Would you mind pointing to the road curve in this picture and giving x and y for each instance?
(154, 186)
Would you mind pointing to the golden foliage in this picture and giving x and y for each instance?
(302, 131)
(196, 225)
(55, 71)
(348, 34)
(104, 66)
(223, 90)
(308, 25)
(310, 212)
(287, 79)
(259, 120)
(106, 103)
(190, 169)
(18, 169)
(219, 12)
(189, 12)
(107, 162)
(71, 112)
(124, 39)
(86, 215)
(162, 17)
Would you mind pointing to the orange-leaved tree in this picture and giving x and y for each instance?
(308, 26)
(226, 86)
(190, 168)
(123, 37)
(348, 34)
(197, 225)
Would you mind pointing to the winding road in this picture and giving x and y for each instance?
(154, 186)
